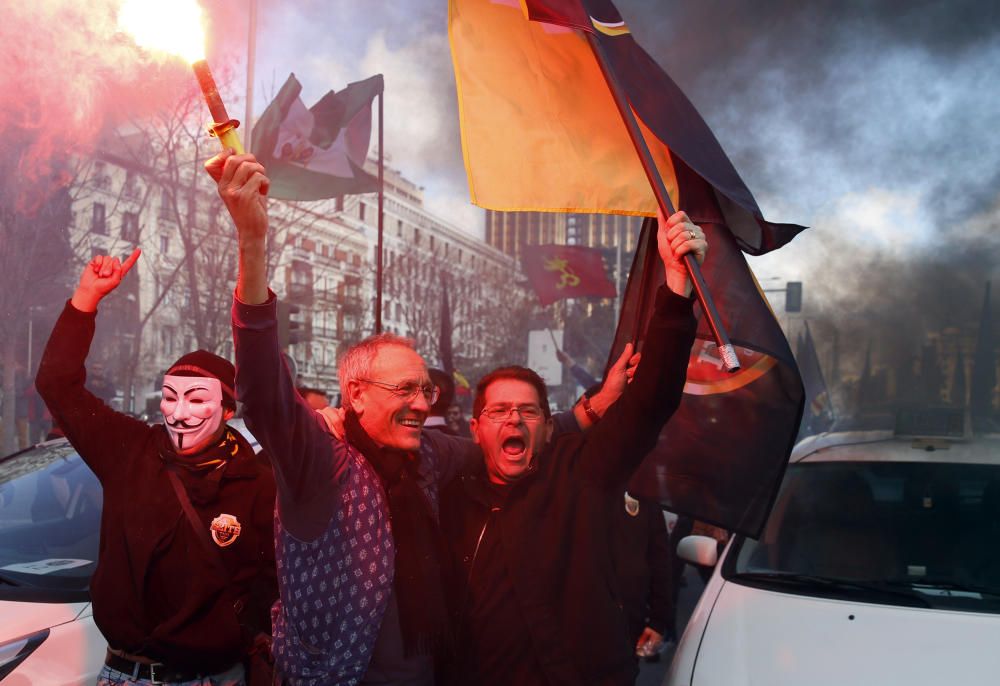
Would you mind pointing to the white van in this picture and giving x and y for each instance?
(879, 564)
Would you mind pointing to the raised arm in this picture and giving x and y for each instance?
(629, 429)
(102, 436)
(308, 463)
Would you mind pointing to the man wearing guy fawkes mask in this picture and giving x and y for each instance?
(185, 576)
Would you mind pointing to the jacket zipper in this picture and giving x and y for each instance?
(472, 565)
(479, 542)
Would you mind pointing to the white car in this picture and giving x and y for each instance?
(50, 513)
(879, 564)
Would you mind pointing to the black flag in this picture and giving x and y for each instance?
(721, 457)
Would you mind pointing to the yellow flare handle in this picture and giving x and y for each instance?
(226, 133)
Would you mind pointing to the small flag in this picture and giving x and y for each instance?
(566, 271)
(319, 152)
(462, 386)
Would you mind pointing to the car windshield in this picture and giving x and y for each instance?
(907, 533)
(50, 514)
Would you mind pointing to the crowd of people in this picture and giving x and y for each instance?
(381, 538)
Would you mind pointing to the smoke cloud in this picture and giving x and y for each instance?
(67, 74)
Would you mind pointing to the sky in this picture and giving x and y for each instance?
(873, 123)
(826, 108)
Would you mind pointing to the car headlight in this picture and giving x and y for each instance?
(13, 653)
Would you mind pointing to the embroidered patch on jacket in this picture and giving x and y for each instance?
(225, 529)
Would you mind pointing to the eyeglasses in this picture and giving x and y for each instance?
(408, 391)
(500, 413)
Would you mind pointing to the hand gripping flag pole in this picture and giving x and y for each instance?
(725, 347)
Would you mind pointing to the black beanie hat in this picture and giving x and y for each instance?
(204, 363)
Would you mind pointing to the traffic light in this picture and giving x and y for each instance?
(793, 296)
(291, 328)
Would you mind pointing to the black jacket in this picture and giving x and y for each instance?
(155, 592)
(555, 526)
(642, 559)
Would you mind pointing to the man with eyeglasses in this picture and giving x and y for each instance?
(360, 555)
(535, 596)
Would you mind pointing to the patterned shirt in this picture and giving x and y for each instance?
(334, 588)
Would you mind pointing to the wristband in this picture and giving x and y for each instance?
(588, 410)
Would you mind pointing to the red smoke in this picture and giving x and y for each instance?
(68, 74)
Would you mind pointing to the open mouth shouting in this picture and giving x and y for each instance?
(514, 447)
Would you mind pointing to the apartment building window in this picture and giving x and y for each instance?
(130, 227)
(416, 236)
(164, 244)
(167, 341)
(361, 211)
(339, 204)
(399, 228)
(101, 177)
(351, 288)
(131, 188)
(98, 223)
(166, 204)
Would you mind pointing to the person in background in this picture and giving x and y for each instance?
(436, 420)
(580, 375)
(642, 561)
(457, 422)
(314, 397)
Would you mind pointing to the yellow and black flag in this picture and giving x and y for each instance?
(541, 131)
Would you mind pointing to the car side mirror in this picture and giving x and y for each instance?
(699, 550)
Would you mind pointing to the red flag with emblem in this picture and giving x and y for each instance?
(566, 271)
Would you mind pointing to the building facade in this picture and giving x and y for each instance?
(321, 260)
(512, 232)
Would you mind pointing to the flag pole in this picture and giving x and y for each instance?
(726, 350)
(618, 272)
(251, 58)
(381, 219)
